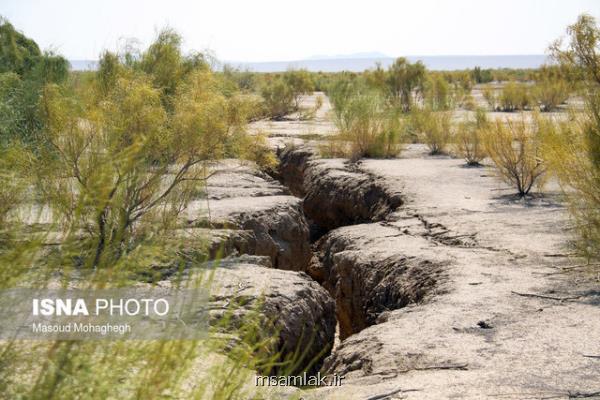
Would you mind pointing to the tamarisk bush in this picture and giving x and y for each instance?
(515, 149)
(573, 147)
(469, 138)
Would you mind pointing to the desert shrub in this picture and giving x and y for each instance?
(121, 153)
(464, 80)
(469, 138)
(243, 80)
(278, 99)
(514, 96)
(573, 147)
(482, 75)
(404, 80)
(550, 94)
(163, 61)
(377, 78)
(490, 96)
(299, 82)
(256, 148)
(18, 53)
(550, 89)
(282, 93)
(432, 128)
(437, 93)
(24, 70)
(468, 103)
(119, 168)
(109, 70)
(367, 127)
(341, 90)
(515, 149)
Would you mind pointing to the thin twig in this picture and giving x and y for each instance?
(543, 296)
(461, 367)
(388, 394)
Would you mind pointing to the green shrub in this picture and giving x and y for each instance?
(278, 99)
(434, 128)
(482, 75)
(24, 70)
(550, 94)
(367, 127)
(573, 147)
(437, 93)
(299, 82)
(403, 80)
(490, 96)
(514, 96)
(551, 88)
(515, 149)
(469, 138)
(282, 94)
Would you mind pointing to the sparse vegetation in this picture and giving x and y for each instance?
(490, 96)
(514, 96)
(282, 93)
(403, 81)
(551, 89)
(469, 138)
(482, 75)
(104, 173)
(367, 126)
(515, 149)
(573, 147)
(437, 93)
(116, 159)
(433, 128)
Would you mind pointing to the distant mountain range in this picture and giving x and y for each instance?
(362, 61)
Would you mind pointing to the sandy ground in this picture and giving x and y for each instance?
(529, 347)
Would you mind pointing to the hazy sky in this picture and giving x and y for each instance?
(281, 30)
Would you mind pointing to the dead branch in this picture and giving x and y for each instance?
(388, 394)
(543, 296)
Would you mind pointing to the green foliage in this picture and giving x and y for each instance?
(282, 93)
(245, 81)
(432, 128)
(166, 64)
(403, 78)
(550, 89)
(24, 70)
(278, 98)
(437, 93)
(574, 147)
(124, 152)
(18, 53)
(367, 126)
(109, 70)
(514, 96)
(490, 96)
(482, 75)
(299, 82)
(469, 138)
(515, 149)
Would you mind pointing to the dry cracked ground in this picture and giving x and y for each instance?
(427, 279)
